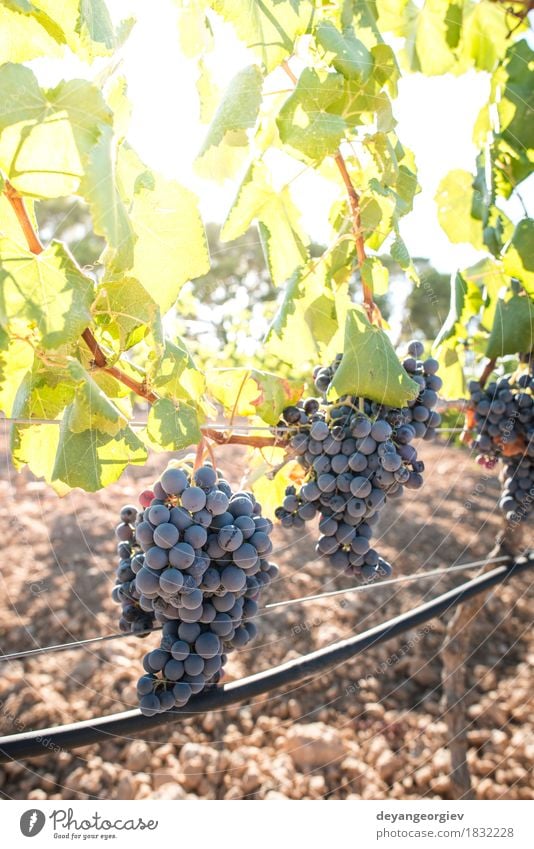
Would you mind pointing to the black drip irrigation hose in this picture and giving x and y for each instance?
(133, 723)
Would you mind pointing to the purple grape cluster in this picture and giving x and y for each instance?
(356, 453)
(199, 562)
(500, 425)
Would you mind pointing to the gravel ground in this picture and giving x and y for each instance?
(371, 729)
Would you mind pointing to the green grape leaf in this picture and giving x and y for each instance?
(283, 240)
(375, 275)
(47, 290)
(370, 368)
(516, 104)
(125, 310)
(249, 392)
(513, 327)
(47, 138)
(450, 370)
(345, 52)
(175, 375)
(486, 33)
(237, 113)
(92, 459)
(194, 29)
(266, 26)
(16, 360)
(172, 427)
(455, 198)
(270, 489)
(21, 98)
(307, 313)
(466, 301)
(170, 246)
(453, 24)
(308, 122)
(91, 408)
(399, 252)
(99, 189)
(209, 94)
(23, 38)
(518, 259)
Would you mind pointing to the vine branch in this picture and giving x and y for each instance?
(373, 313)
(100, 360)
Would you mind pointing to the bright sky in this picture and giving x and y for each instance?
(435, 119)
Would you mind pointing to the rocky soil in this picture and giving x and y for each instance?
(372, 728)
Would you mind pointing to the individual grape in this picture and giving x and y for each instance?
(291, 414)
(194, 499)
(180, 649)
(205, 477)
(230, 538)
(166, 535)
(249, 526)
(192, 600)
(171, 581)
(180, 518)
(145, 685)
(189, 631)
(194, 664)
(157, 659)
(196, 536)
(224, 603)
(217, 502)
(173, 669)
(182, 555)
(147, 582)
(156, 557)
(182, 693)
(233, 579)
(146, 498)
(240, 506)
(144, 535)
(319, 430)
(381, 430)
(208, 645)
(203, 518)
(158, 514)
(150, 705)
(245, 556)
(128, 514)
(174, 481)
(124, 532)
(416, 349)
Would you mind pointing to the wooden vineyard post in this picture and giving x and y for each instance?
(454, 656)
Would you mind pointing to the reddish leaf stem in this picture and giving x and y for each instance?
(490, 365)
(16, 201)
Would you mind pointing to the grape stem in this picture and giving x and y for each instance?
(17, 203)
(373, 313)
(237, 439)
(490, 365)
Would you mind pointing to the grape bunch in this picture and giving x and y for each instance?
(500, 425)
(356, 453)
(198, 558)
